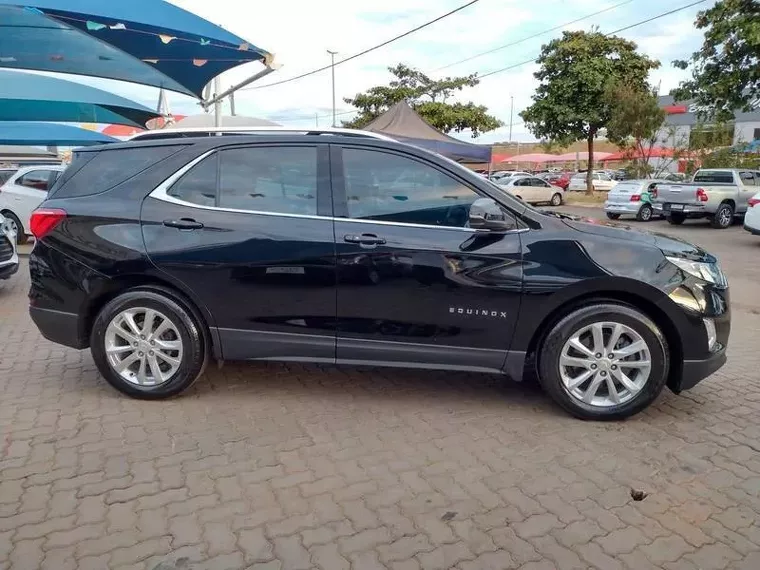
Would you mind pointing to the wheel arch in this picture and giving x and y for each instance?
(124, 283)
(631, 299)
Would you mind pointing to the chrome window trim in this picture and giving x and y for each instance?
(161, 193)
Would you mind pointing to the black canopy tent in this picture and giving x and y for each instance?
(403, 124)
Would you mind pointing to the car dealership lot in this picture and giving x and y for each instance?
(291, 466)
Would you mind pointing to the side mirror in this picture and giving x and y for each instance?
(485, 214)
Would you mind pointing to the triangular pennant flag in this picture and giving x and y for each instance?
(243, 47)
(33, 10)
(166, 39)
(200, 62)
(118, 26)
(205, 42)
(7, 59)
(95, 26)
(150, 60)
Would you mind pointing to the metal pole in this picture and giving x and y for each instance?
(220, 96)
(316, 120)
(332, 70)
(511, 112)
(217, 102)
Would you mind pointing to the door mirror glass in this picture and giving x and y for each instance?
(485, 214)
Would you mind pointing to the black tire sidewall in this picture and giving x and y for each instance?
(641, 217)
(193, 346)
(559, 201)
(21, 236)
(548, 361)
(716, 217)
(613, 216)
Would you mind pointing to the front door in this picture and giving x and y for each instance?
(247, 232)
(416, 286)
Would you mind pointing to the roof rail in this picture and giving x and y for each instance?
(220, 131)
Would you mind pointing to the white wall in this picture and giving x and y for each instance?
(744, 132)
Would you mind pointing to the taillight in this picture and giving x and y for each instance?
(635, 198)
(753, 202)
(702, 195)
(44, 220)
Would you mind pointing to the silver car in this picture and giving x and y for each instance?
(631, 198)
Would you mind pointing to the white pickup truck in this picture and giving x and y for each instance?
(719, 194)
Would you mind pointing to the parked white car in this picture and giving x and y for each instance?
(23, 192)
(601, 182)
(752, 217)
(8, 254)
(505, 175)
(532, 190)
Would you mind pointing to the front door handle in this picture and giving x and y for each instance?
(183, 224)
(364, 239)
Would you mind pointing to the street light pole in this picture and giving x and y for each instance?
(511, 112)
(332, 70)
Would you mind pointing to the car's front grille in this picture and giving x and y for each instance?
(6, 249)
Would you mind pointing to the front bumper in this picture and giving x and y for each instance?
(9, 268)
(694, 371)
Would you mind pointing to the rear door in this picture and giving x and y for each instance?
(247, 231)
(416, 286)
(748, 186)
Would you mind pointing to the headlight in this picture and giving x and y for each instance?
(709, 272)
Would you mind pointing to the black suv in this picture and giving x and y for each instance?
(323, 247)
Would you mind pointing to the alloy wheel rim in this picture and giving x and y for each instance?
(646, 213)
(724, 217)
(143, 346)
(605, 364)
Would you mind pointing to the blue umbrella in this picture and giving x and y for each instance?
(34, 97)
(151, 42)
(49, 134)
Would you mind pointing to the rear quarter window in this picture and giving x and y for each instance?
(96, 172)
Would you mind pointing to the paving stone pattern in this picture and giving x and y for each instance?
(269, 466)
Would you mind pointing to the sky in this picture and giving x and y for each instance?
(299, 33)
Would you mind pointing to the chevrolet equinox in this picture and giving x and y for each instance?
(346, 247)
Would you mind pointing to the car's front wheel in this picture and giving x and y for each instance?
(604, 362)
(147, 345)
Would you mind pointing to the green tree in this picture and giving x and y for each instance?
(428, 97)
(576, 70)
(635, 124)
(725, 72)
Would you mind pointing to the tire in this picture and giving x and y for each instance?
(675, 219)
(612, 216)
(603, 407)
(192, 355)
(556, 199)
(723, 217)
(645, 213)
(21, 236)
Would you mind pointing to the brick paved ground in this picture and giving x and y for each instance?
(290, 467)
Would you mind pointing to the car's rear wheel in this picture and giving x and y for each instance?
(18, 227)
(645, 213)
(147, 345)
(723, 217)
(676, 219)
(612, 216)
(556, 199)
(604, 362)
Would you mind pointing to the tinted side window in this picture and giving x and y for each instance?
(198, 185)
(37, 179)
(748, 178)
(269, 179)
(388, 187)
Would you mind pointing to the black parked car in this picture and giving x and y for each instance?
(160, 255)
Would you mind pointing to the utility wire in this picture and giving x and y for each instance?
(526, 38)
(366, 51)
(653, 18)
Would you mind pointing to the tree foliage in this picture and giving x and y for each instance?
(635, 124)
(726, 69)
(428, 97)
(576, 70)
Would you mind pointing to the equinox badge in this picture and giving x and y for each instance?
(478, 312)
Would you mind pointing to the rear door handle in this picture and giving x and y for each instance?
(364, 239)
(183, 224)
